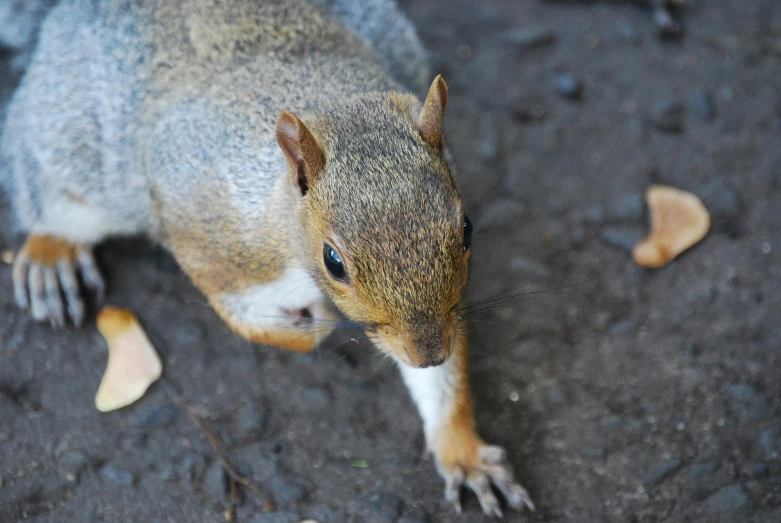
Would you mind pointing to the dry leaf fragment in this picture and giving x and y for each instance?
(133, 364)
(678, 221)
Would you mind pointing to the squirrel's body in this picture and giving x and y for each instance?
(271, 147)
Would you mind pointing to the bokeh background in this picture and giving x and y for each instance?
(622, 394)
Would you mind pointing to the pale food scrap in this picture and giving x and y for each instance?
(133, 364)
(678, 221)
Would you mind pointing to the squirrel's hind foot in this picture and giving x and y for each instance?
(46, 281)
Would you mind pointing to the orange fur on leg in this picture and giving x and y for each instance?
(48, 250)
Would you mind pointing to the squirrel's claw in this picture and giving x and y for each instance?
(491, 469)
(90, 272)
(48, 288)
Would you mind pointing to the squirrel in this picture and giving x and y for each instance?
(277, 150)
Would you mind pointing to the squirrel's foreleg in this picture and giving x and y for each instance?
(443, 398)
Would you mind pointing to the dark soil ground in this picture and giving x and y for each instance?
(635, 396)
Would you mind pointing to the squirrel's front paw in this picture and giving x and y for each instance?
(479, 467)
(45, 271)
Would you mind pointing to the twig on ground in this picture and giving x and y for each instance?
(234, 476)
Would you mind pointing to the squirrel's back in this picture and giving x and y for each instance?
(128, 89)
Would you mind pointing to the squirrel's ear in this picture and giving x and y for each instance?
(305, 155)
(432, 114)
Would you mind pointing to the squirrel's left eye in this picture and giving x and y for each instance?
(333, 263)
(467, 233)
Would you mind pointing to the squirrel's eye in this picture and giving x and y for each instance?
(333, 263)
(467, 233)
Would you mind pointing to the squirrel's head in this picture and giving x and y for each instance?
(385, 230)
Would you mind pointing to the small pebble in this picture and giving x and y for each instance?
(155, 416)
(313, 398)
(72, 464)
(627, 31)
(702, 469)
(117, 475)
(7, 257)
(276, 517)
(215, 481)
(503, 213)
(464, 52)
(703, 105)
(192, 467)
(667, 116)
(251, 420)
(770, 442)
(529, 267)
(411, 519)
(628, 208)
(286, 491)
(720, 200)
(666, 470)
(594, 214)
(568, 86)
(188, 333)
(168, 473)
(624, 239)
(728, 500)
(487, 146)
(524, 39)
(598, 453)
(741, 393)
(383, 506)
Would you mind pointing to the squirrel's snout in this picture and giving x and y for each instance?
(432, 361)
(417, 351)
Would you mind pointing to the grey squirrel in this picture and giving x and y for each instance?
(273, 149)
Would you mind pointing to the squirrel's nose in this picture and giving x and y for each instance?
(430, 358)
(432, 361)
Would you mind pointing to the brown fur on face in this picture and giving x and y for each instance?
(387, 202)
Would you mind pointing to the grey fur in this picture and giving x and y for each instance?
(391, 35)
(117, 97)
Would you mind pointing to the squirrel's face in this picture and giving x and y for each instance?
(386, 234)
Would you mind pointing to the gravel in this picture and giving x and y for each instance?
(215, 481)
(379, 507)
(664, 471)
(117, 475)
(668, 116)
(568, 86)
(760, 470)
(702, 105)
(286, 491)
(628, 208)
(72, 464)
(155, 416)
(525, 39)
(250, 420)
(276, 517)
(726, 502)
(624, 239)
(313, 398)
(702, 469)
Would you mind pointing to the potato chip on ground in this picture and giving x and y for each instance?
(133, 364)
(678, 221)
